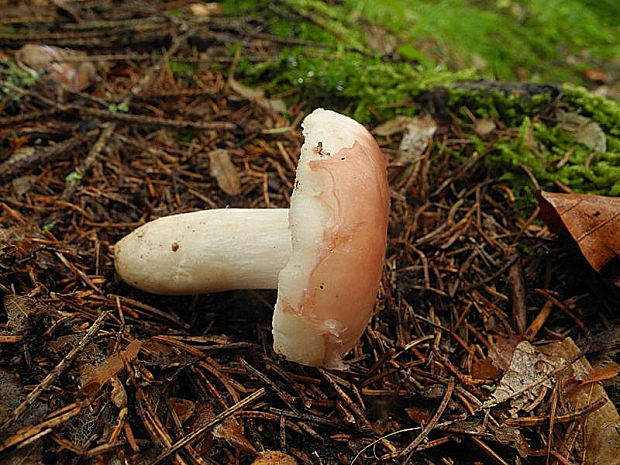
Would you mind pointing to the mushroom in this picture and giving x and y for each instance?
(324, 254)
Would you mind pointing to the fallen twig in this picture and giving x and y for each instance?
(218, 419)
(427, 429)
(49, 379)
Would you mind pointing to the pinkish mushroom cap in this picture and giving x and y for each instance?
(338, 220)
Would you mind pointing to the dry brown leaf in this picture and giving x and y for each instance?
(596, 75)
(380, 40)
(22, 153)
(258, 96)
(600, 429)
(75, 75)
(417, 132)
(23, 184)
(224, 171)
(484, 369)
(271, 457)
(418, 415)
(393, 126)
(415, 139)
(501, 352)
(592, 220)
(526, 368)
(18, 308)
(118, 396)
(31, 455)
(183, 408)
(10, 392)
(229, 430)
(102, 373)
(586, 131)
(484, 127)
(202, 10)
(598, 374)
(510, 436)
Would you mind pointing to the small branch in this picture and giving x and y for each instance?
(564, 418)
(517, 296)
(209, 426)
(28, 434)
(23, 117)
(285, 396)
(151, 120)
(87, 162)
(14, 168)
(347, 400)
(49, 379)
(427, 429)
(491, 277)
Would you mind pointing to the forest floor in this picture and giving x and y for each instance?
(493, 340)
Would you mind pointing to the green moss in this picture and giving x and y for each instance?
(180, 69)
(176, 12)
(13, 74)
(184, 137)
(511, 108)
(604, 111)
(438, 43)
(359, 85)
(8, 30)
(539, 143)
(541, 148)
(502, 37)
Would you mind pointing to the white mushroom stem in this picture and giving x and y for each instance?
(206, 251)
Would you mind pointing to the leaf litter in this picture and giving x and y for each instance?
(224, 171)
(442, 372)
(593, 221)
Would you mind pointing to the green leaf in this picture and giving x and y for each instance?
(73, 176)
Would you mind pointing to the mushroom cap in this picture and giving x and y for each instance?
(338, 220)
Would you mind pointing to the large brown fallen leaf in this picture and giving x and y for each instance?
(600, 429)
(75, 75)
(592, 220)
